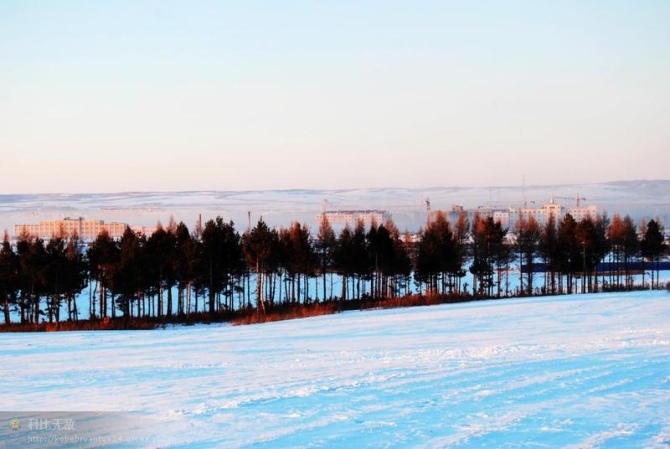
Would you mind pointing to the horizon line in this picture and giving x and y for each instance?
(296, 189)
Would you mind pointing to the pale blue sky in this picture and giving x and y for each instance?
(99, 96)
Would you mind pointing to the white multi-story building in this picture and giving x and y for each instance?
(350, 218)
(542, 214)
(509, 217)
(580, 213)
(87, 230)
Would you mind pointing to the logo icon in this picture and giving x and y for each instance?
(14, 424)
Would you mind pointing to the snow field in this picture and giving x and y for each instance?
(584, 371)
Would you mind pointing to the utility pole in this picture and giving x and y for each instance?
(427, 212)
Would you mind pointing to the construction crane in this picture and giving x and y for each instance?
(577, 199)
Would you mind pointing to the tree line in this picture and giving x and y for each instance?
(216, 270)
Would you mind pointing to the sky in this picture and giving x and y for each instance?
(105, 96)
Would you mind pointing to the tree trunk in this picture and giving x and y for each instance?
(344, 288)
(6, 310)
(103, 309)
(75, 311)
(36, 308)
(169, 300)
(325, 296)
(306, 288)
(111, 306)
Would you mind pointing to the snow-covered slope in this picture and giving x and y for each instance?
(572, 371)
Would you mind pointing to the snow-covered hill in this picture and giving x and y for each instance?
(581, 371)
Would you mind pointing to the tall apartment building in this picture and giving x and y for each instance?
(87, 230)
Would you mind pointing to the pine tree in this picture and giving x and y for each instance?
(325, 245)
(298, 258)
(527, 236)
(631, 247)
(54, 273)
(103, 258)
(221, 260)
(653, 247)
(384, 255)
(590, 236)
(161, 251)
(75, 275)
(550, 252)
(461, 235)
(32, 276)
(616, 236)
(343, 259)
(625, 245)
(601, 246)
(570, 260)
(438, 258)
(129, 276)
(489, 252)
(260, 246)
(182, 265)
(398, 267)
(9, 277)
(362, 263)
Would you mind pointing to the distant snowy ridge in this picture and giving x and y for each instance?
(644, 198)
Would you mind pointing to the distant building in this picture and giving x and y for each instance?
(352, 217)
(499, 215)
(542, 214)
(454, 214)
(510, 216)
(87, 230)
(580, 213)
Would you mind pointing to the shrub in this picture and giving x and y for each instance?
(286, 312)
